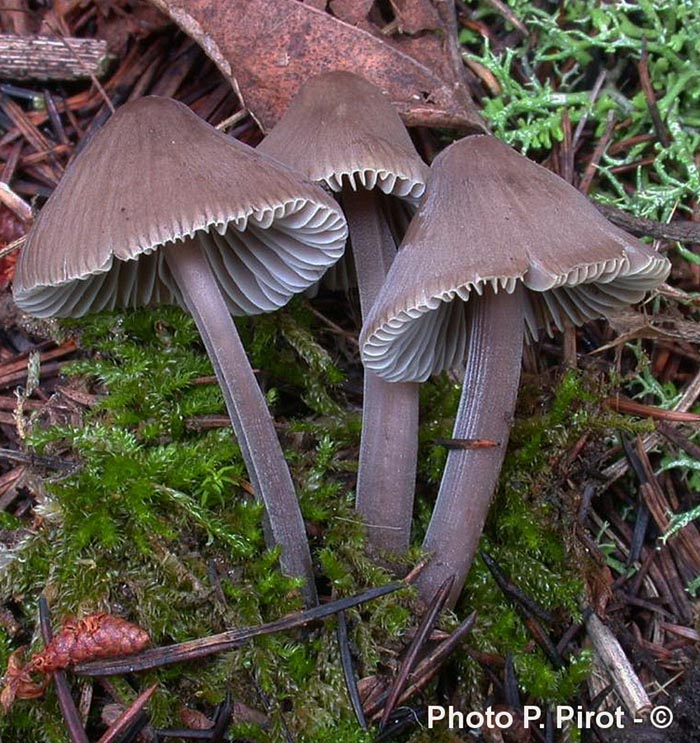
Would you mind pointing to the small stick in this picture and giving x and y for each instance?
(349, 671)
(568, 636)
(687, 400)
(633, 166)
(128, 717)
(424, 629)
(598, 152)
(507, 13)
(232, 120)
(625, 680)
(36, 460)
(13, 246)
(657, 502)
(641, 523)
(597, 87)
(510, 685)
(650, 95)
(674, 435)
(623, 405)
(513, 592)
(14, 371)
(15, 203)
(349, 337)
(11, 162)
(42, 58)
(222, 719)
(34, 136)
(528, 609)
(428, 667)
(193, 649)
(467, 443)
(55, 118)
(566, 165)
(680, 230)
(65, 700)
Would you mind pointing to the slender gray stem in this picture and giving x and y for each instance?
(247, 409)
(494, 356)
(389, 445)
(386, 478)
(373, 246)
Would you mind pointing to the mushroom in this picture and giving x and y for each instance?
(161, 208)
(499, 245)
(341, 131)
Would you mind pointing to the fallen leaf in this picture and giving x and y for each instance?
(413, 16)
(354, 12)
(268, 48)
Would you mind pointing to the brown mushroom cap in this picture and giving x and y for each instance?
(492, 217)
(157, 173)
(340, 129)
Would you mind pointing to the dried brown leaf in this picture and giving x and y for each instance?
(354, 12)
(413, 16)
(268, 48)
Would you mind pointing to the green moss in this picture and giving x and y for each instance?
(527, 531)
(157, 501)
(152, 507)
(550, 71)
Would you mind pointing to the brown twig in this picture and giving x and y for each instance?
(513, 592)
(530, 612)
(466, 443)
(650, 95)
(128, 717)
(193, 649)
(688, 398)
(15, 203)
(69, 711)
(349, 670)
(507, 13)
(623, 405)
(15, 371)
(598, 152)
(674, 435)
(424, 629)
(625, 680)
(42, 58)
(680, 230)
(426, 669)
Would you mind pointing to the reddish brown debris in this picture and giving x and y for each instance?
(11, 229)
(95, 637)
(268, 49)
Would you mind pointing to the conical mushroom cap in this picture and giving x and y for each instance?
(157, 173)
(341, 129)
(491, 217)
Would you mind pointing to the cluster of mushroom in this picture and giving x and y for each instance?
(455, 266)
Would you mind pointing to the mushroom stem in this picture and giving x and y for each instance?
(495, 331)
(387, 468)
(373, 246)
(247, 409)
(389, 443)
